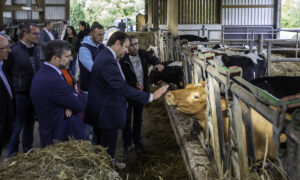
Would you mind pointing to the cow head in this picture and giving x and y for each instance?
(191, 101)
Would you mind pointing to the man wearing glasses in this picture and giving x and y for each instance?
(23, 62)
(6, 96)
(135, 68)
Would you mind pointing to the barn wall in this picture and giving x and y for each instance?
(248, 12)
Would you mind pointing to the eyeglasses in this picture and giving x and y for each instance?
(7, 47)
(35, 33)
(134, 44)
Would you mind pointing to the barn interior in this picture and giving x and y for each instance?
(179, 147)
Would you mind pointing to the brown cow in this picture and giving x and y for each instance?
(192, 101)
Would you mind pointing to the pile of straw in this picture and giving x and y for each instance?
(68, 160)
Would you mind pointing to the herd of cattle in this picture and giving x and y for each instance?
(192, 99)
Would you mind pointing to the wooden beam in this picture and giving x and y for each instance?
(21, 8)
(172, 18)
(1, 11)
(42, 13)
(67, 10)
(150, 11)
(155, 15)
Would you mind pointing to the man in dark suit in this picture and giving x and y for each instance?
(45, 36)
(6, 97)
(135, 68)
(57, 105)
(108, 91)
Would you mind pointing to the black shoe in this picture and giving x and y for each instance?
(140, 148)
(127, 150)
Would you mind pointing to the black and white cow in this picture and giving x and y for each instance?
(279, 86)
(191, 38)
(172, 73)
(253, 65)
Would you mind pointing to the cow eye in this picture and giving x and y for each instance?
(196, 97)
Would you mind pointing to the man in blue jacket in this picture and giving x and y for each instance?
(106, 106)
(56, 103)
(22, 64)
(90, 47)
(45, 36)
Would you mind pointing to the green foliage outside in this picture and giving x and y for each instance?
(104, 11)
(290, 14)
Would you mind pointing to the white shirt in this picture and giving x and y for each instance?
(138, 68)
(4, 79)
(115, 56)
(49, 34)
(54, 67)
(63, 32)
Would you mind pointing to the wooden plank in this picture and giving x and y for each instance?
(21, 8)
(215, 133)
(238, 121)
(1, 11)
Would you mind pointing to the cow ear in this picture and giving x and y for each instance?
(202, 83)
(190, 86)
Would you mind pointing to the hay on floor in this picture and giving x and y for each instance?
(68, 160)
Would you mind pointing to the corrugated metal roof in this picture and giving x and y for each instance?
(55, 1)
(259, 12)
(55, 12)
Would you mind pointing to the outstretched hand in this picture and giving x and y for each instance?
(159, 92)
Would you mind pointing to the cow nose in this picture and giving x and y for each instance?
(169, 94)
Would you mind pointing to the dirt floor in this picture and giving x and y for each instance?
(163, 159)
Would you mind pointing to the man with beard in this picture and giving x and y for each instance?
(57, 105)
(108, 94)
(22, 64)
(135, 68)
(90, 47)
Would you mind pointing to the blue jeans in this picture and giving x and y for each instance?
(24, 120)
(132, 131)
(87, 128)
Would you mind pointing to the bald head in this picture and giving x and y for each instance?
(4, 48)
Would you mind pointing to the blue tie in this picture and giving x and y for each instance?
(3, 77)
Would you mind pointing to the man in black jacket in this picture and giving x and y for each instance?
(23, 62)
(6, 97)
(135, 68)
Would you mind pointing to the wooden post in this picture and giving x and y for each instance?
(155, 15)
(42, 13)
(1, 11)
(277, 17)
(172, 16)
(150, 11)
(29, 13)
(67, 10)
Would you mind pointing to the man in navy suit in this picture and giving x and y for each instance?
(45, 36)
(108, 91)
(7, 111)
(56, 103)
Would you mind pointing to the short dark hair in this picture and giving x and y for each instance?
(47, 22)
(64, 21)
(56, 48)
(119, 35)
(26, 28)
(96, 25)
(132, 37)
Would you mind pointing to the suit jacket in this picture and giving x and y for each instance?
(106, 105)
(51, 96)
(146, 59)
(43, 41)
(7, 111)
